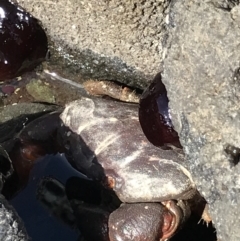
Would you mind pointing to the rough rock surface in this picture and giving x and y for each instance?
(9, 112)
(201, 73)
(119, 40)
(11, 227)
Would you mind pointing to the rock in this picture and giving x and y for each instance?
(113, 40)
(12, 227)
(40, 91)
(11, 112)
(201, 74)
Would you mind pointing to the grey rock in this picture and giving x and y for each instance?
(201, 73)
(13, 118)
(11, 227)
(116, 40)
(10, 112)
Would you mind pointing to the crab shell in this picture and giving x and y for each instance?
(135, 169)
(105, 142)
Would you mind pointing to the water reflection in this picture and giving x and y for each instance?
(40, 223)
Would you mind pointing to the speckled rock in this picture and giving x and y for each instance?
(117, 40)
(11, 227)
(201, 73)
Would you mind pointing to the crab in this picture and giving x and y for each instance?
(150, 191)
(107, 144)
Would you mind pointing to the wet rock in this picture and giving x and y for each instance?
(201, 73)
(20, 138)
(10, 112)
(40, 91)
(11, 227)
(114, 40)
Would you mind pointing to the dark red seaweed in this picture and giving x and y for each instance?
(154, 115)
(23, 42)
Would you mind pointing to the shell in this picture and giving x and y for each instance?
(135, 169)
(155, 117)
(23, 42)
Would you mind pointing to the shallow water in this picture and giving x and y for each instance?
(40, 222)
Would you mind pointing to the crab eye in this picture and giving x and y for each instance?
(155, 116)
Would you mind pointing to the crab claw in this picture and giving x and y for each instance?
(145, 221)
